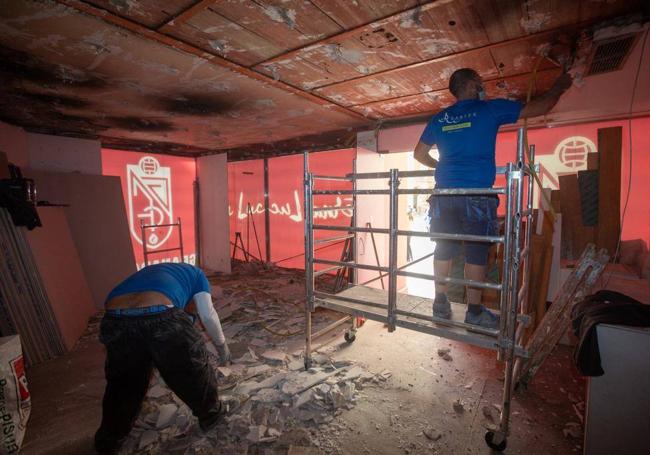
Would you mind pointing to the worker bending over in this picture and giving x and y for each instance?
(465, 135)
(147, 324)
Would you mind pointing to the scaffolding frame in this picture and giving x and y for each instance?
(514, 306)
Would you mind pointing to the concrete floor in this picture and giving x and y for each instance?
(67, 392)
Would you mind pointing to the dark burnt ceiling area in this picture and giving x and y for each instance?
(267, 77)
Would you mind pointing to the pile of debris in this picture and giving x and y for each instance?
(270, 402)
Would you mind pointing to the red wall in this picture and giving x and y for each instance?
(157, 189)
(560, 151)
(246, 185)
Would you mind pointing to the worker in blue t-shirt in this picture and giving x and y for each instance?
(465, 135)
(147, 324)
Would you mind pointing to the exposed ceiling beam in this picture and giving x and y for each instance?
(356, 30)
(574, 28)
(187, 13)
(183, 46)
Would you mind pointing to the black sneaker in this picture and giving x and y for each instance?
(442, 307)
(213, 419)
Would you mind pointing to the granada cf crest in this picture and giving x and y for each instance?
(150, 200)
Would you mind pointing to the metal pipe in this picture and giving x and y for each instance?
(324, 227)
(504, 421)
(381, 276)
(309, 266)
(407, 174)
(333, 239)
(166, 250)
(352, 275)
(392, 251)
(505, 281)
(331, 327)
(180, 239)
(348, 192)
(442, 279)
(350, 264)
(338, 178)
(454, 191)
(445, 236)
(327, 270)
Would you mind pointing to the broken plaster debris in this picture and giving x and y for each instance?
(271, 402)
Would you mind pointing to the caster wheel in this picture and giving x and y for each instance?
(489, 439)
(307, 364)
(350, 337)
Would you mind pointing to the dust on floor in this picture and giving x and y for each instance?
(401, 392)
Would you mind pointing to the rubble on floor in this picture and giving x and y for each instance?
(271, 402)
(266, 405)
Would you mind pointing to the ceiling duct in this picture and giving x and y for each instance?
(610, 55)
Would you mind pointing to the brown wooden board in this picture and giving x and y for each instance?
(151, 13)
(592, 161)
(575, 236)
(355, 13)
(217, 34)
(609, 188)
(415, 80)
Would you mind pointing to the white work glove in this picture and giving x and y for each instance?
(224, 353)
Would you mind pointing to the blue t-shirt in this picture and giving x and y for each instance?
(465, 134)
(178, 281)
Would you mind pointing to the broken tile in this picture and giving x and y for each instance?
(166, 414)
(274, 356)
(147, 438)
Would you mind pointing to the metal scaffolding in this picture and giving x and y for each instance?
(414, 313)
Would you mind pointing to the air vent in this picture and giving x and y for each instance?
(610, 55)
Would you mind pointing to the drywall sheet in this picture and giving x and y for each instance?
(97, 220)
(60, 268)
(213, 212)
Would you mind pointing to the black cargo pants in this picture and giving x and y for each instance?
(136, 344)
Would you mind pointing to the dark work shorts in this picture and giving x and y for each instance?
(475, 215)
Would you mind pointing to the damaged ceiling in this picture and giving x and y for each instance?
(265, 76)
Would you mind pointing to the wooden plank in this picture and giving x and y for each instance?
(556, 201)
(186, 14)
(190, 49)
(592, 161)
(354, 14)
(150, 13)
(575, 236)
(609, 188)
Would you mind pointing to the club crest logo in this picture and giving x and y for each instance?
(150, 200)
(573, 151)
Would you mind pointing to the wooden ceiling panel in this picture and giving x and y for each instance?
(216, 34)
(106, 81)
(451, 28)
(443, 30)
(409, 105)
(508, 19)
(151, 13)
(287, 24)
(351, 14)
(513, 88)
(422, 78)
